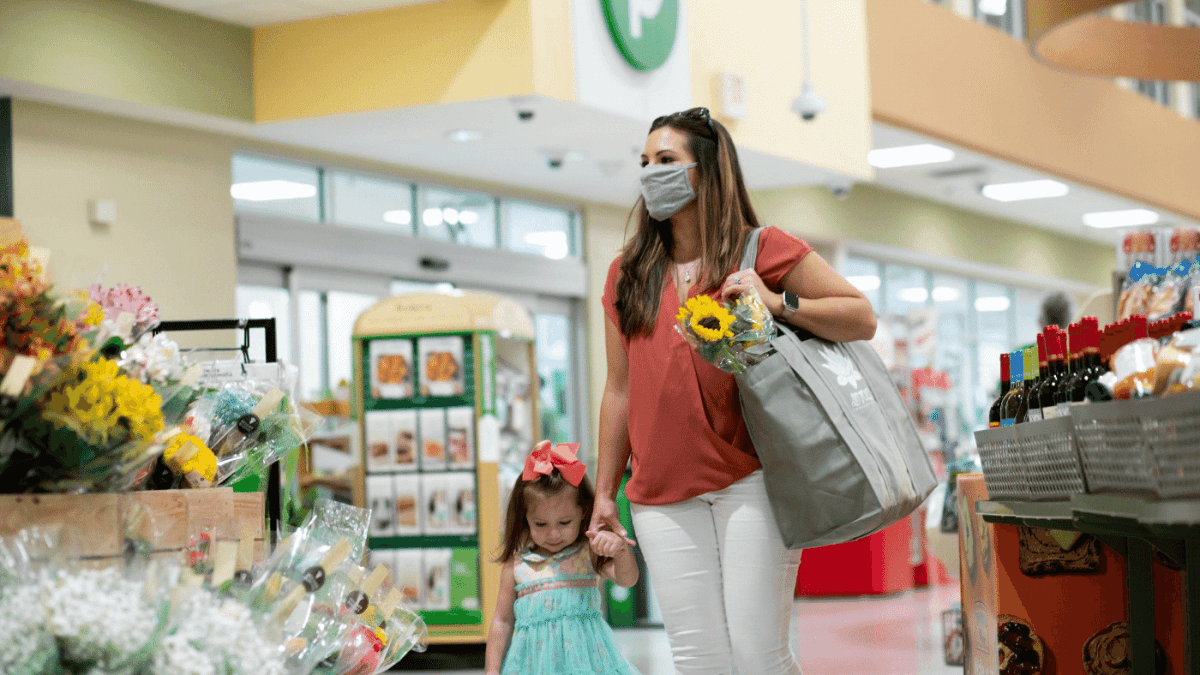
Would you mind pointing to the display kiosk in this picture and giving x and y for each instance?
(446, 393)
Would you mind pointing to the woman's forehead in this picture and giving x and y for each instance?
(667, 138)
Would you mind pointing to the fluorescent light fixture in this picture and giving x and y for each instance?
(997, 303)
(945, 294)
(993, 7)
(444, 287)
(260, 310)
(868, 282)
(914, 295)
(553, 243)
(1127, 218)
(464, 135)
(909, 155)
(272, 190)
(1029, 189)
(450, 216)
(468, 217)
(431, 217)
(398, 217)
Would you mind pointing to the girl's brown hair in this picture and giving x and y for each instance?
(516, 527)
(725, 215)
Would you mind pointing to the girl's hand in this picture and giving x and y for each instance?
(606, 519)
(743, 280)
(606, 544)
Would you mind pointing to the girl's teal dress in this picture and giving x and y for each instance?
(559, 628)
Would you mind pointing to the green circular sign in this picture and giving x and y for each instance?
(643, 30)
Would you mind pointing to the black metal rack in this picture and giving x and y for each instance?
(270, 346)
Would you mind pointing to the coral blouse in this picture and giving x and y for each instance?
(685, 418)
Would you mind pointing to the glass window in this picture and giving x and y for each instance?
(363, 201)
(1152, 11)
(276, 188)
(864, 275)
(907, 288)
(266, 302)
(1005, 15)
(403, 287)
(554, 370)
(313, 381)
(1029, 310)
(462, 217)
(542, 230)
(342, 311)
(993, 309)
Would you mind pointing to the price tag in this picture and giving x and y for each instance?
(18, 375)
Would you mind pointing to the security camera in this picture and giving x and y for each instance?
(839, 189)
(524, 114)
(809, 104)
(555, 158)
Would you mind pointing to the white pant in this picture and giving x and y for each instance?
(724, 580)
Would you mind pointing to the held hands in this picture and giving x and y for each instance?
(605, 519)
(743, 280)
(607, 544)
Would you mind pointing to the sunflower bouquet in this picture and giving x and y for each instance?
(731, 336)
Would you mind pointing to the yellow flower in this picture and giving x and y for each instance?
(756, 310)
(709, 320)
(99, 399)
(94, 314)
(198, 458)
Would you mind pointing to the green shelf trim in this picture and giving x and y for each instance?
(416, 402)
(453, 617)
(425, 541)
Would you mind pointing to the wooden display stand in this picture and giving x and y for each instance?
(96, 527)
(1064, 609)
(430, 418)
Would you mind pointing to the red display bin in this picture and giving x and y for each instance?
(874, 565)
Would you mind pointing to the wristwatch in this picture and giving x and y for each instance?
(791, 303)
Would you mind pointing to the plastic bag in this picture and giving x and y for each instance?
(731, 336)
(1137, 289)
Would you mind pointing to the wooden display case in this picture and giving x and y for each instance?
(438, 418)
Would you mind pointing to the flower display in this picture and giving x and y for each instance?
(731, 336)
(103, 406)
(125, 299)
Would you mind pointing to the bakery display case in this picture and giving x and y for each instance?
(446, 400)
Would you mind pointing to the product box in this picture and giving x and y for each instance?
(381, 499)
(464, 579)
(408, 504)
(433, 439)
(436, 588)
(460, 490)
(380, 456)
(392, 374)
(442, 367)
(436, 511)
(407, 575)
(460, 438)
(403, 428)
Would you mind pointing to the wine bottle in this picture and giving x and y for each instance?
(1057, 368)
(1034, 406)
(994, 412)
(1074, 344)
(1014, 401)
(1089, 360)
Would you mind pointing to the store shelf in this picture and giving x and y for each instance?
(425, 541)
(1054, 515)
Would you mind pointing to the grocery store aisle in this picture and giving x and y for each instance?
(895, 635)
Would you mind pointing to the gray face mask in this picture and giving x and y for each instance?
(666, 189)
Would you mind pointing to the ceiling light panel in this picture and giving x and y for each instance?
(1021, 191)
(1126, 218)
(909, 155)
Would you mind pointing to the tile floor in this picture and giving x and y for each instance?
(893, 635)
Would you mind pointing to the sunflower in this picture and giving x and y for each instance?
(707, 318)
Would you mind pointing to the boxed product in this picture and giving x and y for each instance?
(436, 511)
(380, 456)
(391, 368)
(381, 500)
(407, 575)
(407, 504)
(442, 368)
(433, 439)
(460, 489)
(404, 438)
(460, 437)
(436, 568)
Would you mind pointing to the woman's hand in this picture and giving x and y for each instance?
(607, 544)
(743, 280)
(605, 518)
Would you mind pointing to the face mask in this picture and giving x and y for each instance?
(666, 189)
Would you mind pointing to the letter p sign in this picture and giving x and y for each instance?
(642, 30)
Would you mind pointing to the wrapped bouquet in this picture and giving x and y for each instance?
(731, 336)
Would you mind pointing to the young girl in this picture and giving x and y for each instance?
(548, 619)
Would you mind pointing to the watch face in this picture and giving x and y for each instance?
(791, 301)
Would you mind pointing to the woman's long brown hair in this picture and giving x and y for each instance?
(725, 215)
(516, 527)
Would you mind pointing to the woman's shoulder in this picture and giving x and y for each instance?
(772, 233)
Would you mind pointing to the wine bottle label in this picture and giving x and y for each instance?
(1033, 415)
(993, 425)
(1006, 423)
(1049, 412)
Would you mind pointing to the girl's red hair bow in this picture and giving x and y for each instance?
(545, 459)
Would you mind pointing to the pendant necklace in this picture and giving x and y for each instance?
(686, 269)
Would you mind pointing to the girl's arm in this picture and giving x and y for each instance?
(613, 559)
(500, 634)
(613, 449)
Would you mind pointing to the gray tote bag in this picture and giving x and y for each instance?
(839, 450)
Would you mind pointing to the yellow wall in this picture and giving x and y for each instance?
(174, 233)
(129, 51)
(761, 42)
(438, 52)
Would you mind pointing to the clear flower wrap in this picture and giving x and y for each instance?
(731, 336)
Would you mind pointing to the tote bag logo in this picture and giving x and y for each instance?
(847, 376)
(643, 30)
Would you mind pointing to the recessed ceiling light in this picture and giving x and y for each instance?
(553, 243)
(272, 190)
(909, 155)
(993, 7)
(868, 282)
(464, 135)
(468, 217)
(398, 217)
(1126, 218)
(1029, 189)
(915, 294)
(946, 294)
(432, 217)
(997, 303)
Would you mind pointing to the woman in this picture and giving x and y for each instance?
(721, 573)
